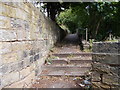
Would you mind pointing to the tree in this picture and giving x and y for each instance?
(99, 18)
(54, 8)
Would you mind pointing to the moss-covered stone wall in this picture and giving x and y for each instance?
(106, 65)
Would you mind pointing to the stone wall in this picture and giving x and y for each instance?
(106, 64)
(26, 36)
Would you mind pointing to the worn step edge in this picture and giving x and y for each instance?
(72, 54)
(61, 62)
(70, 60)
(70, 75)
(45, 66)
(82, 65)
(64, 72)
(65, 69)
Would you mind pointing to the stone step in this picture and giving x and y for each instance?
(62, 55)
(57, 82)
(71, 64)
(59, 74)
(72, 61)
(64, 70)
(62, 62)
(82, 65)
(71, 58)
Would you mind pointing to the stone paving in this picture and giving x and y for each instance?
(65, 67)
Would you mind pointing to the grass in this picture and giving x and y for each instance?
(87, 50)
(49, 59)
(111, 41)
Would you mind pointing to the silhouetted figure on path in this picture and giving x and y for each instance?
(80, 42)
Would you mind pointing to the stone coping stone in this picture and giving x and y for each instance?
(107, 42)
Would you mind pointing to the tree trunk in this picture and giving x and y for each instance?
(98, 25)
(52, 11)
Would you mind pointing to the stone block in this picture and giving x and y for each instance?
(39, 35)
(26, 62)
(21, 65)
(21, 35)
(4, 69)
(32, 32)
(27, 35)
(37, 71)
(9, 3)
(25, 54)
(10, 57)
(8, 35)
(32, 52)
(5, 47)
(101, 86)
(28, 45)
(23, 45)
(111, 79)
(24, 83)
(10, 78)
(34, 45)
(38, 50)
(24, 72)
(22, 16)
(1, 9)
(4, 22)
(27, 8)
(32, 35)
(26, 25)
(17, 23)
(19, 5)
(106, 58)
(13, 67)
(7, 10)
(22, 54)
(36, 57)
(106, 47)
(96, 76)
(32, 67)
(31, 59)
(100, 67)
(17, 46)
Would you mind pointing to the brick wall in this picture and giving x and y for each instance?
(106, 65)
(26, 36)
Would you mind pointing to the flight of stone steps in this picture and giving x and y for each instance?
(62, 68)
(67, 64)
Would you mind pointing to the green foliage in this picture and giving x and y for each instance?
(67, 18)
(100, 18)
